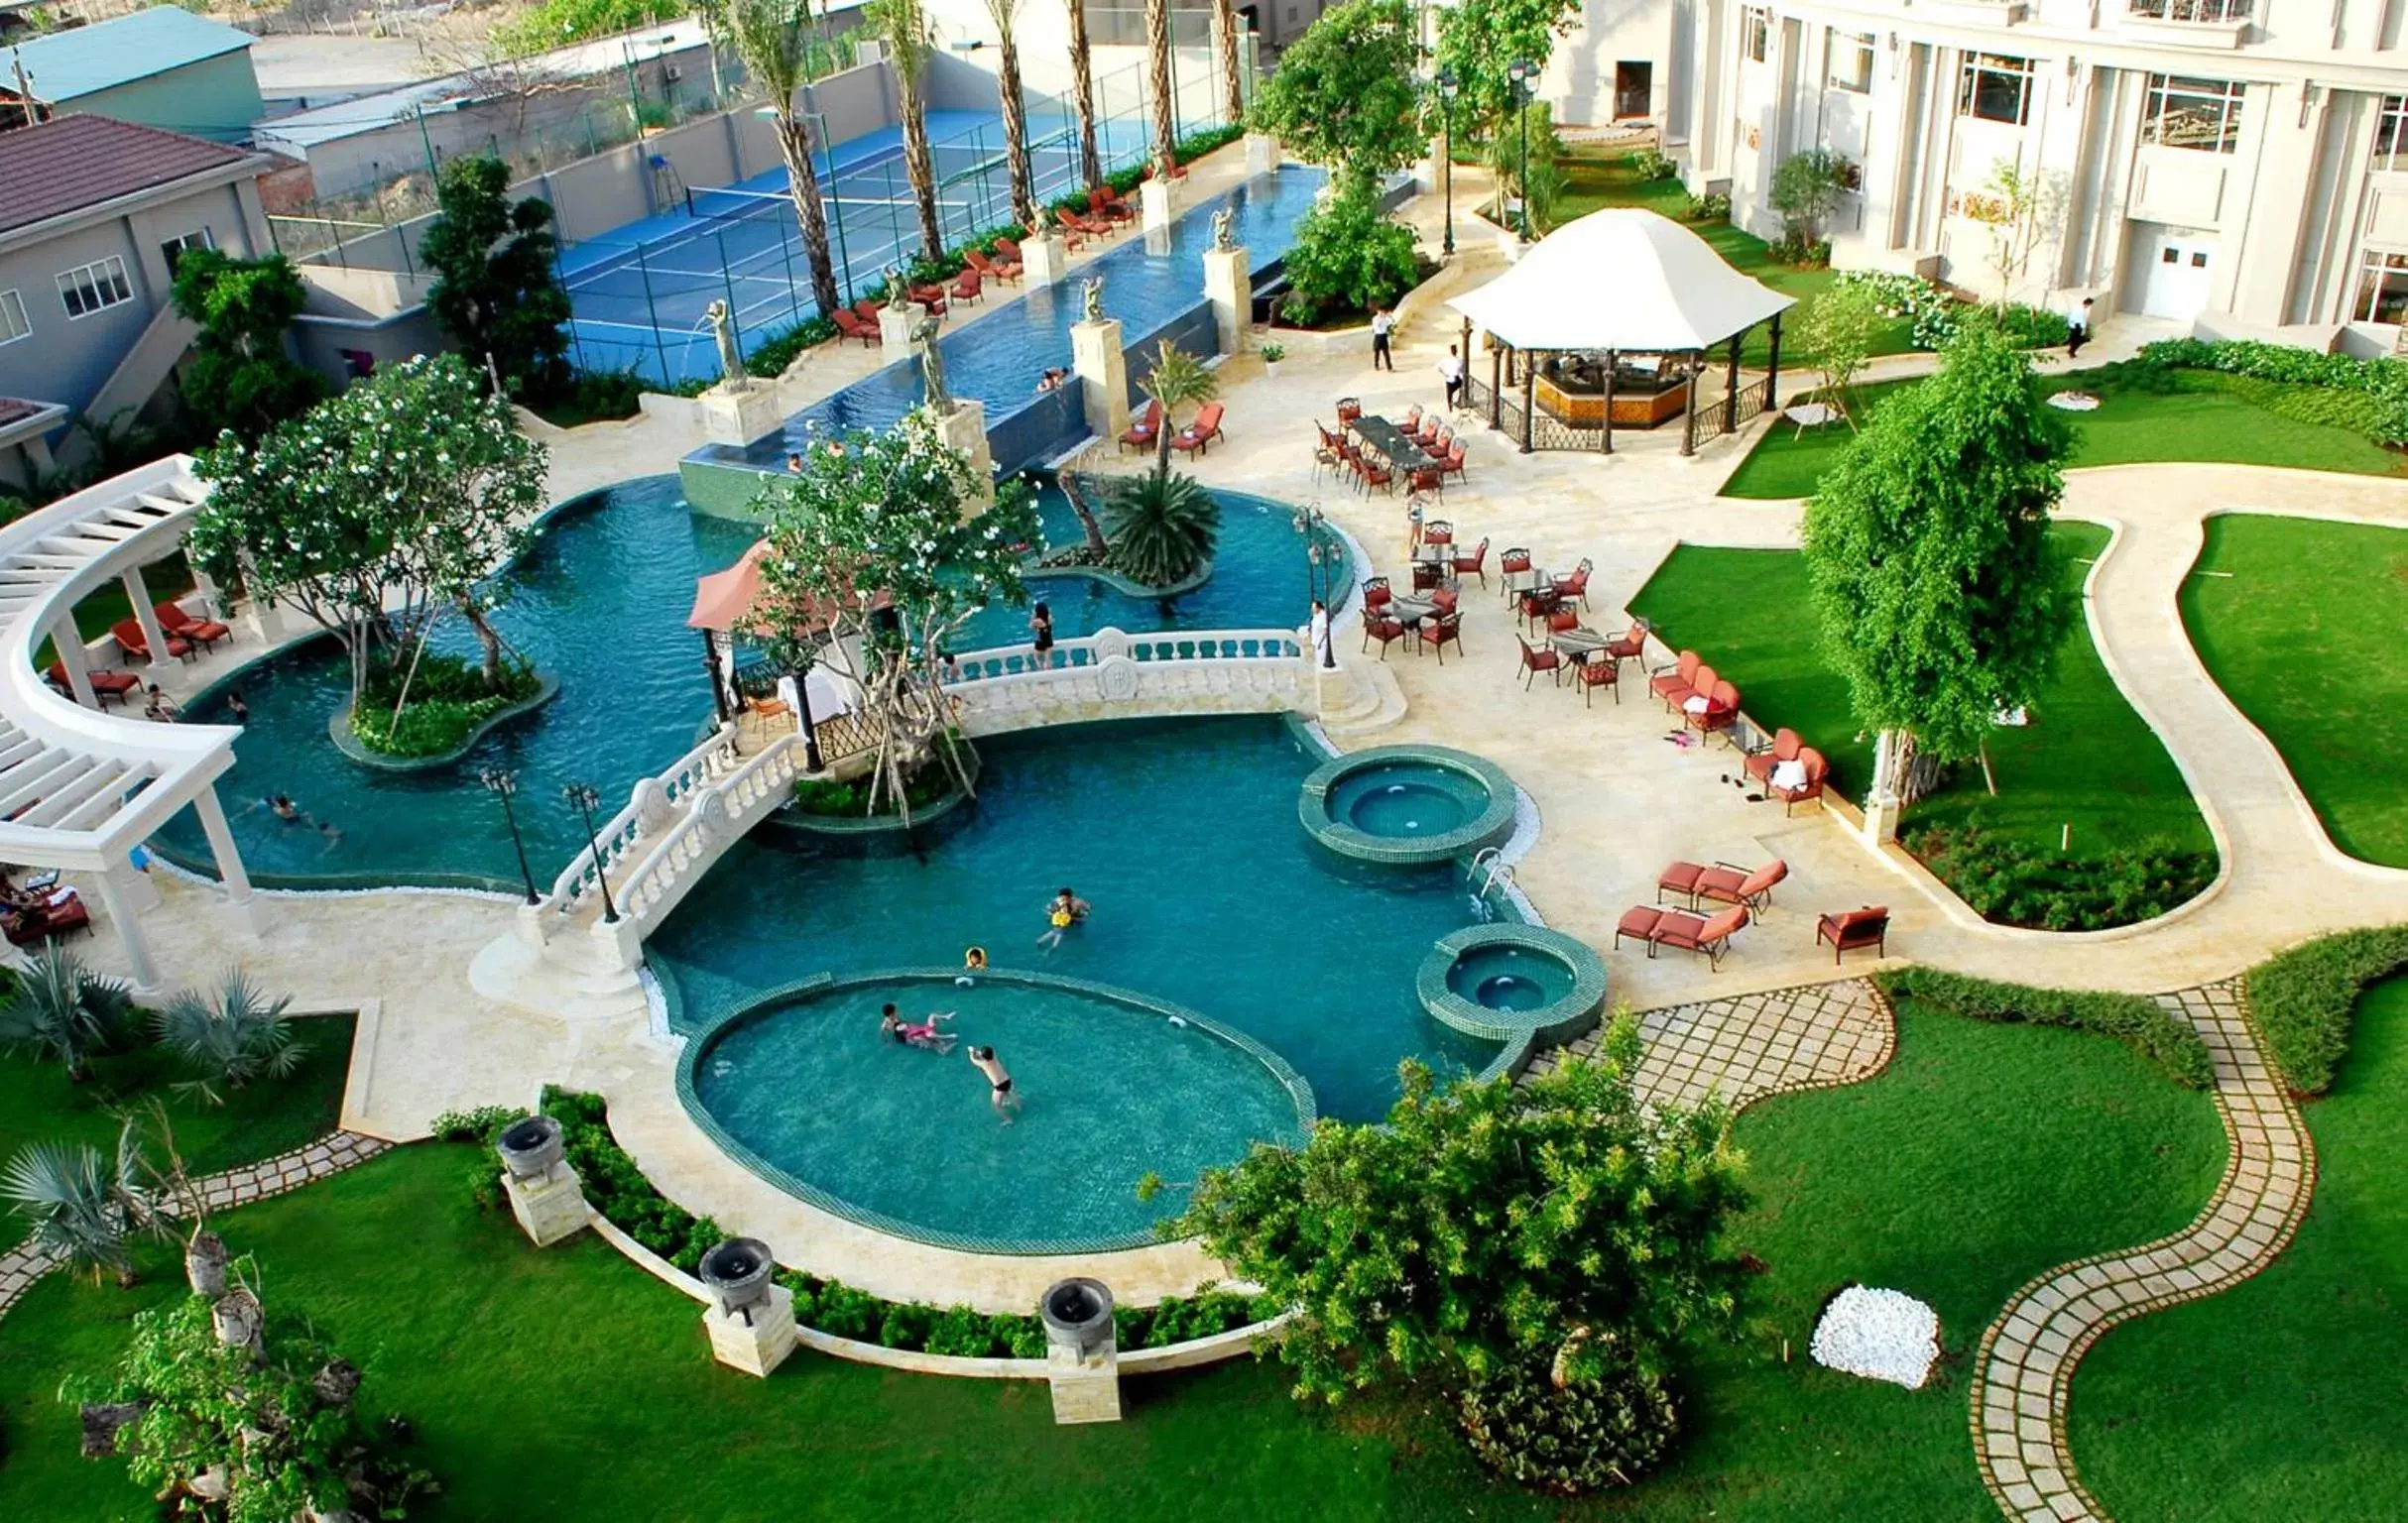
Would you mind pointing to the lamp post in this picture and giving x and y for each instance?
(1523, 75)
(502, 785)
(1447, 89)
(1320, 572)
(582, 797)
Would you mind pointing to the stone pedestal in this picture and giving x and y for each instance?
(1882, 804)
(895, 332)
(1157, 203)
(550, 1207)
(1043, 260)
(758, 1338)
(739, 414)
(1263, 154)
(1103, 372)
(1228, 286)
(965, 429)
(1085, 1390)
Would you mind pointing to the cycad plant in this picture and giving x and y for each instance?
(85, 1208)
(233, 1035)
(64, 1011)
(1177, 379)
(1163, 528)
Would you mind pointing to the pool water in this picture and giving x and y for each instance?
(1107, 1094)
(1407, 800)
(1207, 892)
(1505, 978)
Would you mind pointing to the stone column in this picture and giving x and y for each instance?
(965, 428)
(1263, 154)
(1044, 259)
(148, 617)
(1157, 203)
(1882, 804)
(1103, 372)
(738, 412)
(1229, 284)
(122, 889)
(68, 641)
(247, 913)
(895, 332)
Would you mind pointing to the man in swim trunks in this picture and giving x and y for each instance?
(999, 1082)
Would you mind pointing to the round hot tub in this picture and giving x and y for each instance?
(1407, 804)
(1512, 983)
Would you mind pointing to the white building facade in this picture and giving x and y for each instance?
(2237, 165)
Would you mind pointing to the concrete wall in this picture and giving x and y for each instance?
(215, 98)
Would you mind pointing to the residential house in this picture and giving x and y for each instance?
(161, 67)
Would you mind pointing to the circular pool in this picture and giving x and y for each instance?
(1407, 804)
(1511, 982)
(804, 1089)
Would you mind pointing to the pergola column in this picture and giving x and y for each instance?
(1730, 383)
(1772, 369)
(1613, 359)
(1529, 400)
(139, 594)
(1689, 406)
(1495, 397)
(119, 894)
(247, 908)
(68, 641)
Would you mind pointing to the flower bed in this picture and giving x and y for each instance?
(1936, 313)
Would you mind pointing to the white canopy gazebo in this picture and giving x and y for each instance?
(1621, 282)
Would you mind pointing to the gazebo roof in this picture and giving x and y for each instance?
(1623, 278)
(723, 600)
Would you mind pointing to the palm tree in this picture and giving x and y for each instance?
(904, 27)
(1015, 111)
(1158, 81)
(84, 1210)
(772, 36)
(1177, 379)
(234, 1037)
(1225, 44)
(1165, 529)
(1082, 90)
(62, 1010)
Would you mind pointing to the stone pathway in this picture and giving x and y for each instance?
(2028, 1356)
(329, 1155)
(1748, 1046)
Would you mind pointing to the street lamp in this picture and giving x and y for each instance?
(582, 797)
(1447, 89)
(1320, 571)
(502, 785)
(1523, 75)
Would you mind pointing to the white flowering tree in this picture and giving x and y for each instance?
(377, 511)
(872, 553)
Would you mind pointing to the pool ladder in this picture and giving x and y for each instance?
(1489, 871)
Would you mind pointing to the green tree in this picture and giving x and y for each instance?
(1841, 326)
(1343, 96)
(86, 1210)
(1938, 588)
(241, 375)
(1488, 1223)
(1158, 84)
(1480, 39)
(1165, 529)
(1528, 145)
(1348, 258)
(772, 38)
(232, 1034)
(1175, 380)
(1805, 188)
(903, 25)
(497, 289)
(63, 1012)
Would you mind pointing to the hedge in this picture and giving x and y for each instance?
(2161, 1039)
(2385, 381)
(2304, 999)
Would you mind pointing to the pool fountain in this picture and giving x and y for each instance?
(1513, 983)
(1407, 804)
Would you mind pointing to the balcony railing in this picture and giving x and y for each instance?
(2224, 12)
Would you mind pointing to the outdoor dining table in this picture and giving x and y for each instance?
(1411, 611)
(1394, 443)
(1428, 554)
(1580, 642)
(1518, 582)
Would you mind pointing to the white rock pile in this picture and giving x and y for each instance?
(1881, 1334)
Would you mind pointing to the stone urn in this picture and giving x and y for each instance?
(205, 1264)
(531, 1148)
(738, 1273)
(238, 1319)
(1077, 1313)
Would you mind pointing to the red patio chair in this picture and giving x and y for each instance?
(1476, 562)
(1593, 674)
(851, 324)
(1425, 478)
(1193, 438)
(1817, 769)
(1427, 576)
(1008, 250)
(1443, 630)
(866, 309)
(1537, 604)
(1106, 203)
(1867, 928)
(1575, 587)
(1412, 422)
(205, 633)
(1349, 409)
(135, 645)
(1141, 434)
(1374, 475)
(1385, 630)
(105, 684)
(1438, 531)
(988, 267)
(1675, 682)
(1452, 465)
(1677, 928)
(1784, 748)
(31, 927)
(1534, 661)
(1723, 882)
(1444, 599)
(1721, 711)
(966, 287)
(1427, 435)
(1630, 644)
(1561, 620)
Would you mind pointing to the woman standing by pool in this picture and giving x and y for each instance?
(1041, 634)
(999, 1082)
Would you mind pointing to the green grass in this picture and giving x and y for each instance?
(2086, 758)
(568, 1384)
(2280, 1397)
(2300, 622)
(2128, 427)
(38, 1105)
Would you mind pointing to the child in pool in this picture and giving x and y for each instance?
(999, 1082)
(922, 1034)
(1066, 910)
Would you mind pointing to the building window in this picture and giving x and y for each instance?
(1755, 33)
(173, 247)
(2382, 289)
(13, 324)
(2193, 113)
(1996, 89)
(2192, 10)
(2391, 134)
(88, 289)
(1851, 63)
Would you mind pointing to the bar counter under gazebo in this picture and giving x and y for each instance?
(1610, 323)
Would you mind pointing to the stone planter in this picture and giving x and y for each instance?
(738, 1273)
(531, 1148)
(1077, 1313)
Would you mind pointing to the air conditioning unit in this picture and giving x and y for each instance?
(671, 73)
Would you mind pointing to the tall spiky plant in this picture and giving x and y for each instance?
(1157, 82)
(1224, 49)
(84, 1209)
(233, 1035)
(1005, 13)
(772, 38)
(1163, 528)
(64, 1011)
(903, 25)
(1176, 380)
(1082, 94)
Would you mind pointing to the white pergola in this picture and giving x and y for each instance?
(1617, 282)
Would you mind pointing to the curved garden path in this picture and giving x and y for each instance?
(2028, 1356)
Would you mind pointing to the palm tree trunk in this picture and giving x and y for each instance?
(1161, 448)
(1157, 82)
(1082, 89)
(920, 163)
(802, 183)
(1225, 39)
(1078, 505)
(1016, 127)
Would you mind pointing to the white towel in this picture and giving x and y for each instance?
(1695, 703)
(1790, 775)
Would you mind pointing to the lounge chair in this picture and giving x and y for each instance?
(1867, 928)
(1721, 883)
(1008, 252)
(1193, 438)
(205, 633)
(136, 646)
(105, 684)
(988, 267)
(31, 927)
(1106, 203)
(1141, 434)
(1678, 928)
(851, 324)
(1675, 682)
(1815, 769)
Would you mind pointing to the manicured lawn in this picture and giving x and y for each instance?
(2127, 427)
(2279, 1398)
(38, 1105)
(568, 1384)
(2300, 622)
(2086, 758)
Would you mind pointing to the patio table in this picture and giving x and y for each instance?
(1411, 611)
(1517, 582)
(1579, 642)
(1428, 554)
(1381, 434)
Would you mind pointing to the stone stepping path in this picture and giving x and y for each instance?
(329, 1155)
(1749, 1046)
(2028, 1355)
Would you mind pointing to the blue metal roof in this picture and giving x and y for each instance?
(84, 60)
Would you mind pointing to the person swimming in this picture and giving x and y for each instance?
(923, 1034)
(973, 962)
(240, 710)
(999, 1082)
(1064, 911)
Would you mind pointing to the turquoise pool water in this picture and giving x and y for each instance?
(1108, 1093)
(1503, 977)
(1407, 800)
(1207, 893)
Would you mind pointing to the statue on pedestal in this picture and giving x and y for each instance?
(1225, 228)
(899, 292)
(932, 366)
(1093, 287)
(731, 360)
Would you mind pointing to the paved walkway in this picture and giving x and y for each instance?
(1745, 1047)
(2028, 1356)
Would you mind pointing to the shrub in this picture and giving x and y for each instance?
(1348, 258)
(1161, 530)
(964, 1334)
(781, 349)
(1707, 208)
(2160, 1038)
(448, 698)
(1586, 1436)
(2385, 381)
(606, 393)
(2303, 1000)
(2015, 882)
(1653, 164)
(480, 1126)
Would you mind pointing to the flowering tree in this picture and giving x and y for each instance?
(871, 553)
(378, 511)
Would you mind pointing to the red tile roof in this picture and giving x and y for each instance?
(75, 162)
